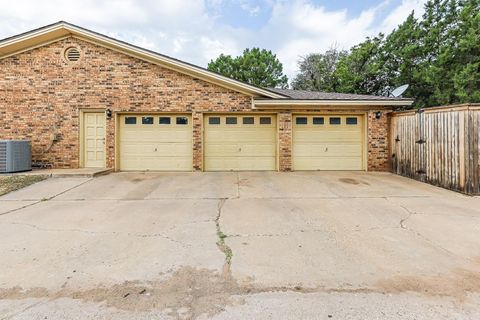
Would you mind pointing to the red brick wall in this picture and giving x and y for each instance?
(41, 96)
(285, 140)
(378, 149)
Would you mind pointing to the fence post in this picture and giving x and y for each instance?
(461, 151)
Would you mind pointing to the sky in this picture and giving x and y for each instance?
(197, 31)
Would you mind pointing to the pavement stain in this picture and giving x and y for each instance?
(188, 292)
(353, 181)
(457, 284)
(184, 294)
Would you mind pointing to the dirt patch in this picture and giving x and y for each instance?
(16, 293)
(12, 183)
(188, 293)
(184, 294)
(456, 284)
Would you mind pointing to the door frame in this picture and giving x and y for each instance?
(82, 135)
(364, 115)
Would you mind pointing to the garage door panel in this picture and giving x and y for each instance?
(240, 163)
(240, 146)
(156, 146)
(232, 150)
(159, 163)
(157, 135)
(238, 135)
(327, 163)
(320, 149)
(327, 146)
(328, 136)
(165, 149)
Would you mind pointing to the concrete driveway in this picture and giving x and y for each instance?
(267, 245)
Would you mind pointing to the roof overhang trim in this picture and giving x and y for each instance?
(282, 103)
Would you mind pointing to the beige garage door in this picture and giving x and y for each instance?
(156, 142)
(328, 142)
(246, 142)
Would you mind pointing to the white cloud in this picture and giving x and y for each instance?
(400, 13)
(304, 28)
(251, 9)
(192, 30)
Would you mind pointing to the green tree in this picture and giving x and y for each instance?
(437, 41)
(256, 66)
(402, 55)
(317, 71)
(361, 70)
(466, 79)
(437, 54)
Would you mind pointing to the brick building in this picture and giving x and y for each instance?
(87, 100)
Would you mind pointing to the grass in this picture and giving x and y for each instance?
(12, 183)
(224, 248)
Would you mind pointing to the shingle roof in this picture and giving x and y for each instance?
(317, 95)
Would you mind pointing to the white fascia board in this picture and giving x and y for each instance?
(312, 103)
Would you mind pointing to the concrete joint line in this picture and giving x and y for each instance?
(46, 199)
(128, 234)
(135, 199)
(273, 234)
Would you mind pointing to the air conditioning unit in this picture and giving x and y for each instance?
(15, 156)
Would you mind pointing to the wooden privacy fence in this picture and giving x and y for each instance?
(438, 145)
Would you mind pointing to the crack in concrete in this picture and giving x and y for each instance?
(224, 248)
(33, 305)
(128, 234)
(238, 185)
(411, 213)
(45, 199)
(286, 234)
(273, 234)
(402, 221)
(179, 225)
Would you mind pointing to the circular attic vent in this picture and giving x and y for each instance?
(72, 54)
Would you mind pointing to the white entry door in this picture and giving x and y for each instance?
(94, 139)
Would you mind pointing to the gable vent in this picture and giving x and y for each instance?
(72, 54)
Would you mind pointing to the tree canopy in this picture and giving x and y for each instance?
(256, 66)
(438, 55)
(318, 71)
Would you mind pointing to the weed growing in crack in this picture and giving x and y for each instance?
(226, 250)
